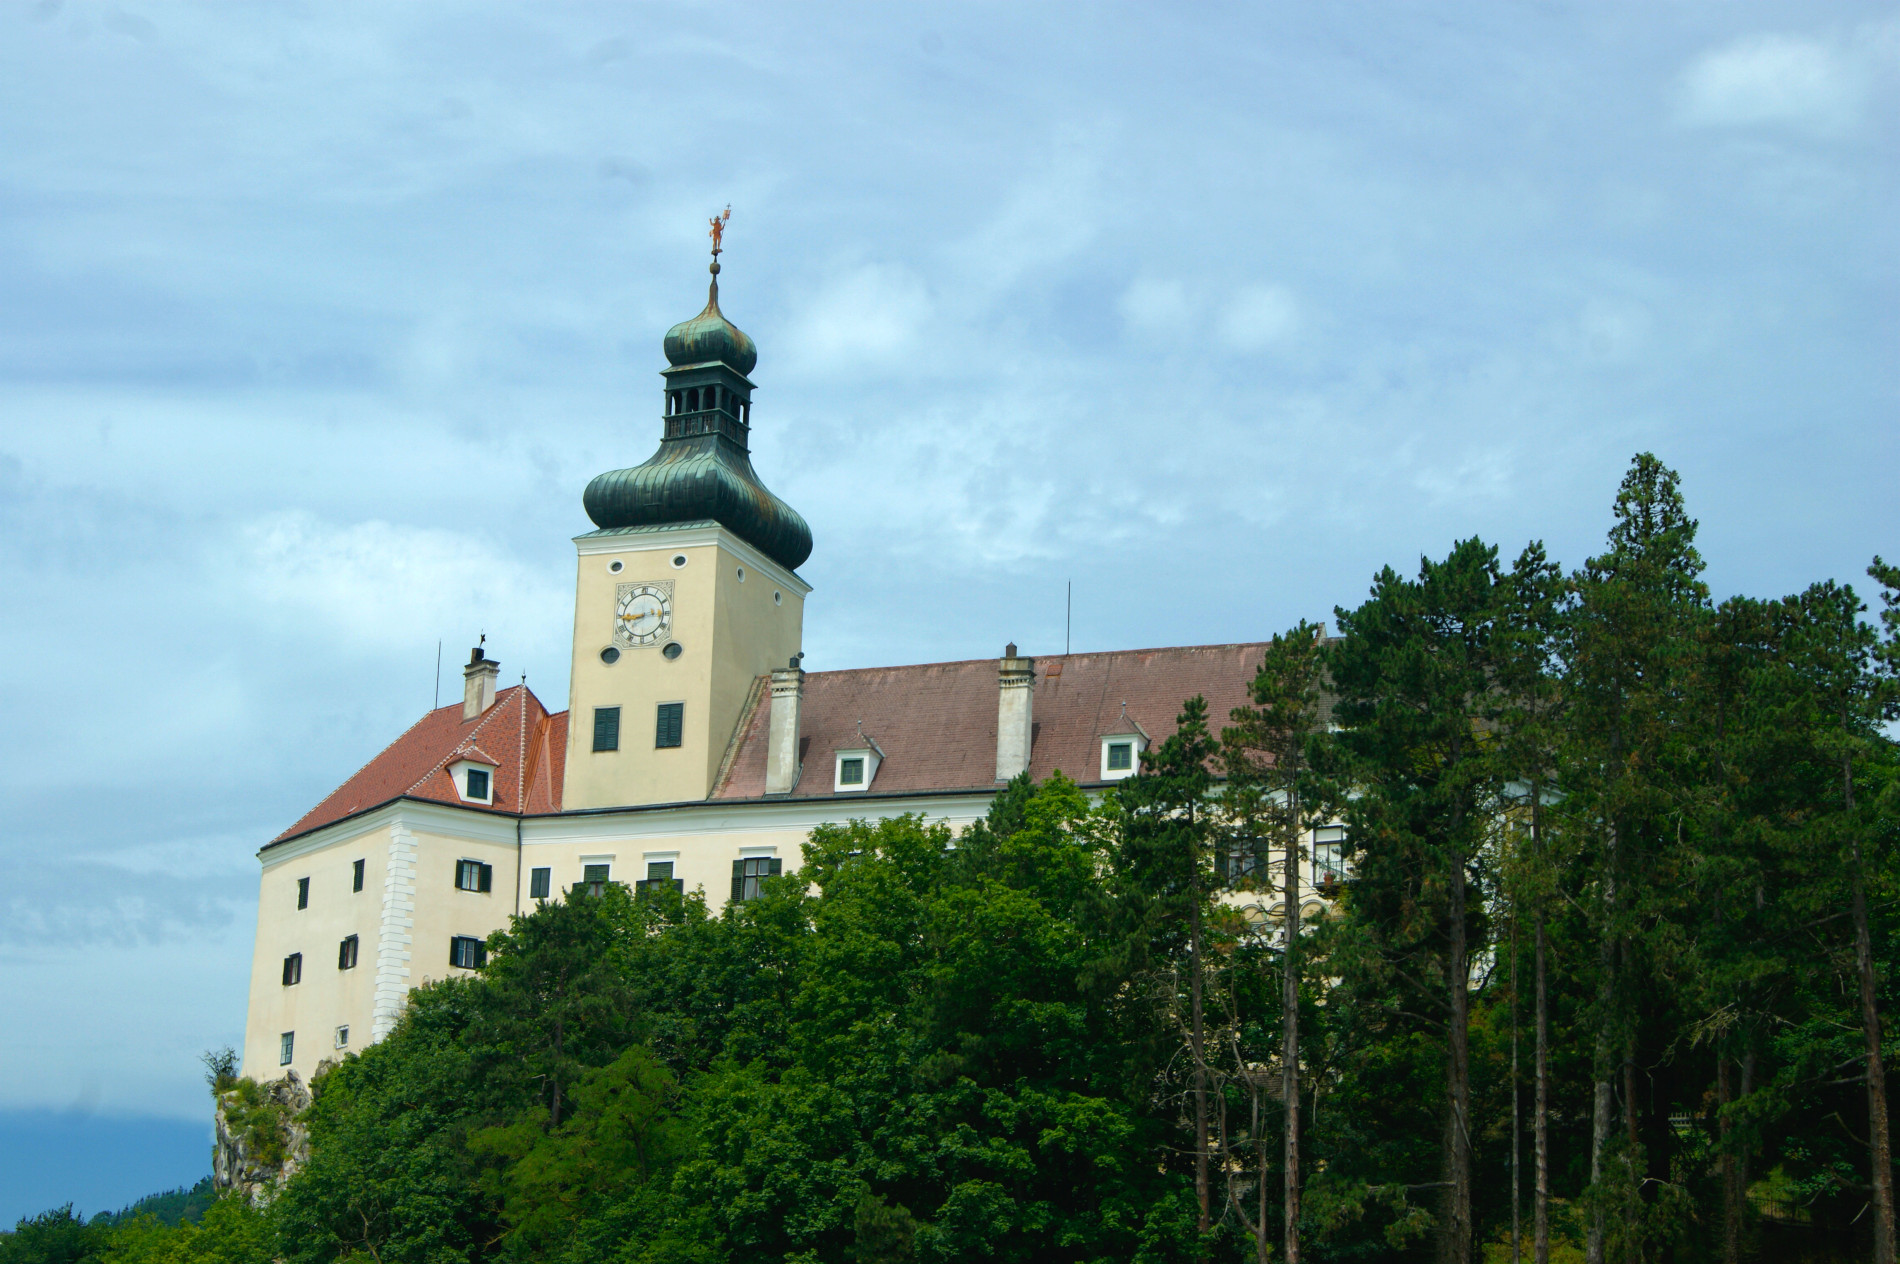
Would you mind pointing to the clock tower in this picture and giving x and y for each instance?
(687, 594)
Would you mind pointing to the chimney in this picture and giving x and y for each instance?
(781, 745)
(1016, 681)
(478, 683)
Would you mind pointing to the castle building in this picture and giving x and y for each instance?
(695, 750)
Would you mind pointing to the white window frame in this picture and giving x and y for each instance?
(871, 756)
(286, 1048)
(1137, 746)
(343, 1036)
(458, 773)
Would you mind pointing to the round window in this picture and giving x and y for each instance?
(615, 565)
(610, 655)
(679, 559)
(672, 649)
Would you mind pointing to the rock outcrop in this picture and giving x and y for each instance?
(262, 1139)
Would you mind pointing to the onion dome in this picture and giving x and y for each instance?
(709, 337)
(703, 470)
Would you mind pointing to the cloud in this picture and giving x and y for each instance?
(1259, 316)
(1151, 304)
(383, 586)
(1775, 79)
(865, 317)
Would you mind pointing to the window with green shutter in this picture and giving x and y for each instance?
(467, 952)
(346, 954)
(748, 871)
(671, 721)
(473, 875)
(539, 881)
(356, 875)
(606, 728)
(659, 876)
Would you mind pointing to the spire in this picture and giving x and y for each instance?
(703, 470)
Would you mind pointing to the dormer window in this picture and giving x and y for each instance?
(1121, 755)
(474, 778)
(856, 769)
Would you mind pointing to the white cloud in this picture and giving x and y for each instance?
(1769, 79)
(384, 586)
(867, 316)
(1153, 304)
(1259, 316)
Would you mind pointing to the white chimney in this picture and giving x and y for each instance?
(478, 683)
(1016, 680)
(781, 744)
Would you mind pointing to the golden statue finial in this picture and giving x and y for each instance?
(718, 233)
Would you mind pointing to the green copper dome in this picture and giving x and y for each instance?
(709, 337)
(703, 470)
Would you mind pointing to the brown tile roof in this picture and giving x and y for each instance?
(514, 734)
(936, 722)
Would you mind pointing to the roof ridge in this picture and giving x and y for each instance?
(959, 662)
(503, 700)
(338, 788)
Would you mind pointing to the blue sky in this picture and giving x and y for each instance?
(316, 319)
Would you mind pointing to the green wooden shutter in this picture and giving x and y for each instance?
(777, 866)
(487, 880)
(606, 728)
(738, 881)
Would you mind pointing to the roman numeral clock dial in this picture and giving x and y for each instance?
(643, 614)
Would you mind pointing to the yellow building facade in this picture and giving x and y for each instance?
(695, 751)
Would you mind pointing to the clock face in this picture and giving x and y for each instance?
(643, 613)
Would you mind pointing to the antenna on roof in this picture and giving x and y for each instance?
(438, 676)
(1068, 617)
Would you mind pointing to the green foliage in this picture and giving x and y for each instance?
(1054, 1037)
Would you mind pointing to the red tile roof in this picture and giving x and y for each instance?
(514, 734)
(936, 722)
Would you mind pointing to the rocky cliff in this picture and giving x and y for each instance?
(262, 1139)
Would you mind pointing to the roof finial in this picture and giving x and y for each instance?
(718, 234)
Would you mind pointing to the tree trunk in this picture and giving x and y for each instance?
(1540, 1227)
(1600, 1116)
(1290, 1045)
(1732, 1191)
(1631, 1183)
(1457, 1241)
(1196, 1038)
(1517, 1107)
(1879, 1144)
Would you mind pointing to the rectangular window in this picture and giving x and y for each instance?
(1329, 855)
(606, 728)
(1121, 756)
(594, 879)
(346, 954)
(303, 893)
(477, 783)
(293, 969)
(851, 771)
(671, 720)
(538, 883)
(747, 871)
(343, 1036)
(473, 875)
(467, 952)
(285, 1044)
(356, 875)
(659, 875)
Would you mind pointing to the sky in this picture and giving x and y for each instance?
(315, 319)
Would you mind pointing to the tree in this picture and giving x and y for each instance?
(1270, 794)
(1631, 640)
(1167, 857)
(1415, 671)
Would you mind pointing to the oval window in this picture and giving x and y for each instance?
(679, 560)
(614, 566)
(672, 649)
(610, 655)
